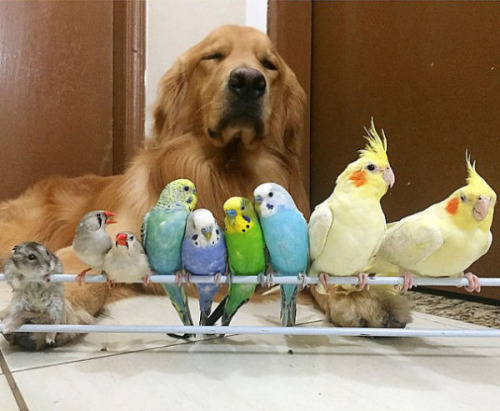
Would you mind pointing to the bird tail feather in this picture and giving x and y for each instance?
(217, 313)
(206, 293)
(288, 305)
(228, 316)
(179, 300)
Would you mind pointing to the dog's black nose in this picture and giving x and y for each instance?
(247, 83)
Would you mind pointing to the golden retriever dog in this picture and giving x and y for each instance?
(229, 116)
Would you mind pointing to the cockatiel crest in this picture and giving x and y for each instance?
(473, 204)
(177, 193)
(376, 149)
(477, 184)
(371, 172)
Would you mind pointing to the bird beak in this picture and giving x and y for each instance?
(481, 208)
(259, 199)
(109, 214)
(207, 233)
(121, 239)
(389, 177)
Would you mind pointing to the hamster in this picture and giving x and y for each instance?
(28, 272)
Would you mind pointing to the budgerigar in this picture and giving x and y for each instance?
(204, 253)
(286, 237)
(246, 255)
(162, 234)
(444, 239)
(91, 241)
(127, 262)
(346, 230)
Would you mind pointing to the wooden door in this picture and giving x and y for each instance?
(429, 74)
(289, 27)
(63, 64)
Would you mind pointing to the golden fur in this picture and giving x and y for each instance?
(196, 136)
(376, 307)
(232, 160)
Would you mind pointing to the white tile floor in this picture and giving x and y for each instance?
(156, 372)
(7, 401)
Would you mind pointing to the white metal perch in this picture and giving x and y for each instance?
(275, 280)
(271, 280)
(331, 331)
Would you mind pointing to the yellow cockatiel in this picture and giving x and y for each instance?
(346, 230)
(444, 239)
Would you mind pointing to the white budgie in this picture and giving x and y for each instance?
(444, 239)
(346, 230)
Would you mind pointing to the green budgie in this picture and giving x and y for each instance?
(162, 234)
(246, 255)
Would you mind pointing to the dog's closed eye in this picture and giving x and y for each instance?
(268, 64)
(213, 56)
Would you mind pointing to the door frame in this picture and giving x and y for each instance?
(129, 61)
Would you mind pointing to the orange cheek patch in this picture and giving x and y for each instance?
(358, 178)
(452, 206)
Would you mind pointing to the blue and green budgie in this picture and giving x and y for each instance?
(162, 234)
(285, 233)
(245, 252)
(204, 253)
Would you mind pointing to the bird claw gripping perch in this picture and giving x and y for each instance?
(474, 284)
(80, 277)
(179, 280)
(301, 281)
(265, 280)
(269, 280)
(186, 277)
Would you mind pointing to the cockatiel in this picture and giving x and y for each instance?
(91, 241)
(246, 255)
(162, 234)
(286, 237)
(444, 239)
(346, 230)
(204, 253)
(127, 262)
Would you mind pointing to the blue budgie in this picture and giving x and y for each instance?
(162, 233)
(204, 253)
(285, 234)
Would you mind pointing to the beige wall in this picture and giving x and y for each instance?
(172, 26)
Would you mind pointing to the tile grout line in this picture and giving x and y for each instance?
(127, 352)
(13, 385)
(115, 354)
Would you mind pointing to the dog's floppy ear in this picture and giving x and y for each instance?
(294, 100)
(171, 94)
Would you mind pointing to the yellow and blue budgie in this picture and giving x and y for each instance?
(162, 233)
